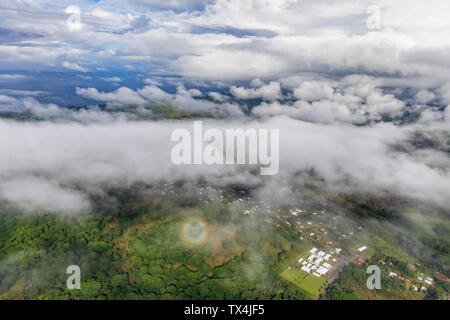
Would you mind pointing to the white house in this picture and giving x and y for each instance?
(362, 248)
(326, 265)
(322, 270)
(318, 261)
(306, 269)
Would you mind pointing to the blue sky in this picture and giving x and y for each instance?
(74, 60)
(215, 45)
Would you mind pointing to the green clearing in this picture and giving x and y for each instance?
(293, 275)
(380, 242)
(311, 284)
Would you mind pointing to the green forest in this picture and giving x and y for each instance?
(157, 248)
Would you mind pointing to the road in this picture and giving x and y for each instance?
(334, 272)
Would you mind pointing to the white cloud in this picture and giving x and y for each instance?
(444, 93)
(122, 95)
(218, 97)
(8, 104)
(256, 83)
(345, 101)
(314, 90)
(14, 92)
(90, 114)
(183, 99)
(155, 94)
(425, 96)
(172, 4)
(152, 82)
(111, 79)
(33, 194)
(271, 91)
(74, 66)
(350, 159)
(14, 77)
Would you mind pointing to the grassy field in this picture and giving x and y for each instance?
(311, 284)
(293, 275)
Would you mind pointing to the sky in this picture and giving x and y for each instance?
(338, 78)
(49, 49)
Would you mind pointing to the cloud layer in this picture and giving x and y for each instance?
(354, 100)
(47, 166)
(230, 42)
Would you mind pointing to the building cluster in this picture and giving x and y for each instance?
(427, 281)
(318, 262)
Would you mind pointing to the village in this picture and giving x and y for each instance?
(333, 238)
